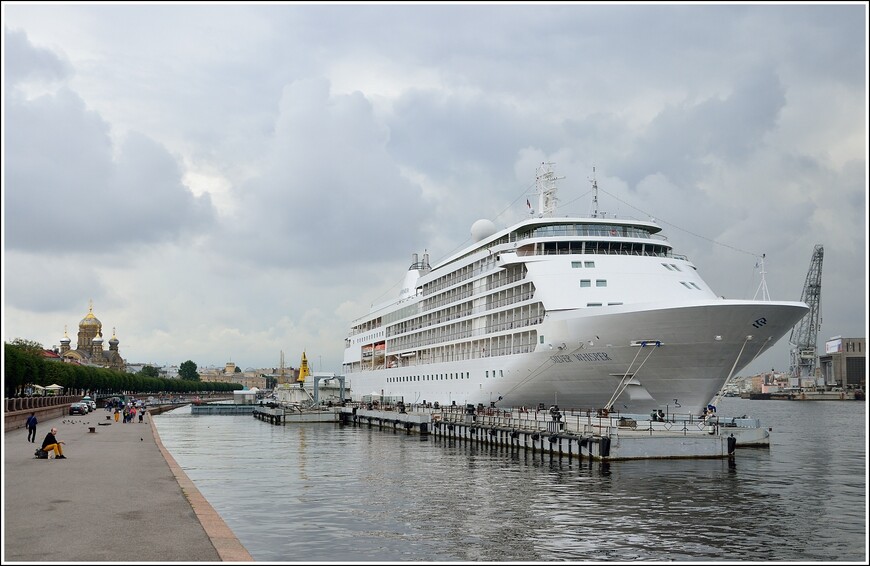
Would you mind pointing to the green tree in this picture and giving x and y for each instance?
(149, 371)
(28, 346)
(187, 371)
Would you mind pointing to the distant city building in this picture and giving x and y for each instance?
(51, 355)
(89, 346)
(844, 363)
(169, 372)
(248, 379)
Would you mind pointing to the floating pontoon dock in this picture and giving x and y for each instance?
(587, 434)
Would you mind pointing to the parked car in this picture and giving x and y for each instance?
(92, 405)
(78, 409)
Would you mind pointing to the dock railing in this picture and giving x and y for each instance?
(583, 423)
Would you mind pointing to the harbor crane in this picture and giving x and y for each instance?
(804, 335)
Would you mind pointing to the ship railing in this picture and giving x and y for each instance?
(601, 251)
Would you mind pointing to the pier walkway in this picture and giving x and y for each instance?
(118, 497)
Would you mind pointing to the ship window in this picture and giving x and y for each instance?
(542, 338)
(585, 283)
(686, 285)
(668, 267)
(613, 304)
(487, 374)
(501, 373)
(601, 282)
(675, 267)
(593, 304)
(576, 264)
(694, 285)
(590, 264)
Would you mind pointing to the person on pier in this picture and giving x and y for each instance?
(52, 443)
(31, 427)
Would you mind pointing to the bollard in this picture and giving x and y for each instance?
(92, 429)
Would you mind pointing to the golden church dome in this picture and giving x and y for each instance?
(90, 319)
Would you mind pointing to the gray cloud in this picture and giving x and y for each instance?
(254, 176)
(68, 187)
(24, 62)
(328, 188)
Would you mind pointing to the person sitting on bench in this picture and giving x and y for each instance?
(52, 443)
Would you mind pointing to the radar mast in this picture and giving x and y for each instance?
(594, 194)
(545, 182)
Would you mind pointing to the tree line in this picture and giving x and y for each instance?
(24, 365)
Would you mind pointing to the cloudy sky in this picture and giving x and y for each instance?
(229, 181)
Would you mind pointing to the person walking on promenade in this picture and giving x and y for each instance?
(52, 443)
(31, 427)
(117, 414)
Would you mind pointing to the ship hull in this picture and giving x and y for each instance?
(665, 356)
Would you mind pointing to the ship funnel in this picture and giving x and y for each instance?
(409, 285)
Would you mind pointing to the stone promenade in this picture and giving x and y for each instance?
(118, 497)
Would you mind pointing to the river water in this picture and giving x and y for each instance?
(327, 493)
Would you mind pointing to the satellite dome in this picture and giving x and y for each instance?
(482, 229)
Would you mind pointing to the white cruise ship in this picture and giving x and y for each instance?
(582, 312)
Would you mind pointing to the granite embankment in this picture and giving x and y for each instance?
(119, 496)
